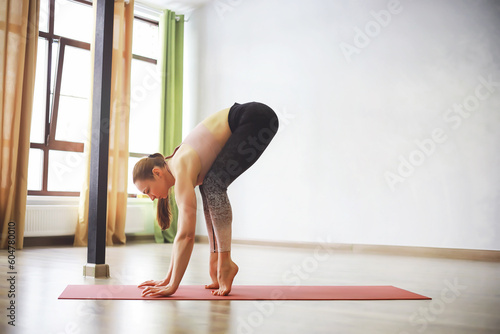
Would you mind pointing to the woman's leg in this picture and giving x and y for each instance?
(253, 125)
(222, 268)
(212, 241)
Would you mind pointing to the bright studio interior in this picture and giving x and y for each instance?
(249, 166)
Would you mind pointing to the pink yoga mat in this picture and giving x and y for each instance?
(245, 292)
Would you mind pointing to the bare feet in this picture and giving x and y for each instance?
(227, 270)
(213, 285)
(213, 272)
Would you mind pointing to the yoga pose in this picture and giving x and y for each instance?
(212, 156)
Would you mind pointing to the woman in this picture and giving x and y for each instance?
(212, 156)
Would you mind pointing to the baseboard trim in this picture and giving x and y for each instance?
(448, 253)
(65, 240)
(68, 240)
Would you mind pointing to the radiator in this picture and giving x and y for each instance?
(58, 220)
(50, 220)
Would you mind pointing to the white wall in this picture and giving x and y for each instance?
(349, 119)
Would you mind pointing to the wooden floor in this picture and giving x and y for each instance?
(466, 294)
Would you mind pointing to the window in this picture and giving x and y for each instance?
(61, 102)
(145, 90)
(61, 108)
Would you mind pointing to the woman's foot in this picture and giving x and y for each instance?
(227, 270)
(212, 285)
(213, 272)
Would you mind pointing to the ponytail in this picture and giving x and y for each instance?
(164, 213)
(143, 170)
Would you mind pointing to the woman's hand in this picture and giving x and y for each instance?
(158, 291)
(153, 283)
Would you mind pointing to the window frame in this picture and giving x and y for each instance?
(49, 141)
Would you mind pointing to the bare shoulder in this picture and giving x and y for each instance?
(186, 164)
(185, 169)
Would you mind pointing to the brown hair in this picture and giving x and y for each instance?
(143, 170)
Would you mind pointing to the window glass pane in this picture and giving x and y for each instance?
(145, 39)
(35, 169)
(39, 98)
(72, 119)
(76, 72)
(131, 186)
(66, 171)
(144, 129)
(43, 21)
(73, 20)
(73, 112)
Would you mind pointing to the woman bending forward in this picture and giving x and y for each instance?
(212, 156)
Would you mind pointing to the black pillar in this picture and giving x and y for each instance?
(100, 132)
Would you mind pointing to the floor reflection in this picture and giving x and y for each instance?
(220, 315)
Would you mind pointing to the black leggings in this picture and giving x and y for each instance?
(253, 126)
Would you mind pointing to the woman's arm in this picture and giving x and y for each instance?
(163, 282)
(184, 240)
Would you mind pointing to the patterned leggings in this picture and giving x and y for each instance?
(253, 126)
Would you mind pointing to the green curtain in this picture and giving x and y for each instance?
(171, 65)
